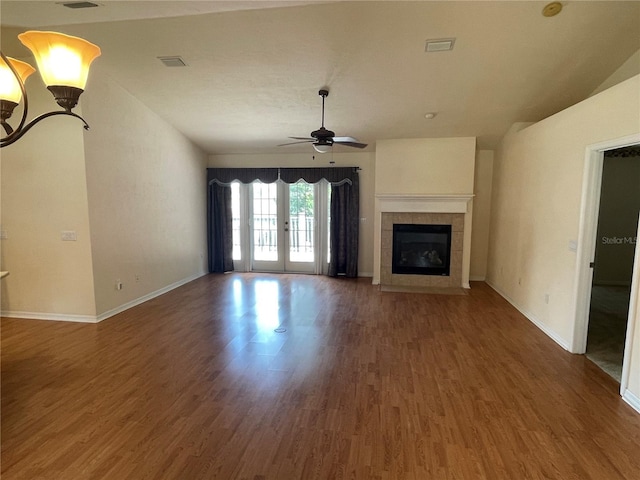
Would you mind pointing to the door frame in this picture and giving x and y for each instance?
(589, 210)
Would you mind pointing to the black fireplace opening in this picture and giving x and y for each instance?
(421, 249)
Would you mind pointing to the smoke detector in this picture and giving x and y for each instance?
(552, 9)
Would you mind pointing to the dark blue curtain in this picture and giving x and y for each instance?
(219, 231)
(344, 228)
(345, 212)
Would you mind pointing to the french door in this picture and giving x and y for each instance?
(284, 229)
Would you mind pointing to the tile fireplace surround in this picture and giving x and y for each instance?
(451, 210)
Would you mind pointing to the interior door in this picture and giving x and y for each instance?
(283, 227)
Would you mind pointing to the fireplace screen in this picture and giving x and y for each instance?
(421, 249)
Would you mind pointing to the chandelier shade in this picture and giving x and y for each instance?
(9, 85)
(62, 60)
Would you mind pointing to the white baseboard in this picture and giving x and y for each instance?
(478, 278)
(632, 400)
(532, 318)
(148, 296)
(365, 274)
(58, 317)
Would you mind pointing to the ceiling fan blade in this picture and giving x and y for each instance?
(295, 143)
(311, 139)
(349, 143)
(345, 139)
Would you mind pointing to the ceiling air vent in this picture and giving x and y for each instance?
(80, 4)
(440, 45)
(174, 61)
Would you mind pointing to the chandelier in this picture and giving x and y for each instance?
(63, 62)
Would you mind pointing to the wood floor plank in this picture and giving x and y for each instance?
(363, 384)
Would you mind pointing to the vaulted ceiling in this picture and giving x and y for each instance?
(254, 68)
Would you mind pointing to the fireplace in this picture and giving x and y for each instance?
(449, 210)
(420, 249)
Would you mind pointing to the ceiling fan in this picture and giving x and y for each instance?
(322, 139)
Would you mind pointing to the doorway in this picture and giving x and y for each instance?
(615, 246)
(585, 251)
(280, 227)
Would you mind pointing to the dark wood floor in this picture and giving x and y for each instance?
(362, 385)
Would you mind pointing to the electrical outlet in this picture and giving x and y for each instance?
(546, 298)
(119, 285)
(137, 278)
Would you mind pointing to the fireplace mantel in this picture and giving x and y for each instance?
(423, 203)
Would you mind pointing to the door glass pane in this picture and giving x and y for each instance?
(301, 222)
(265, 221)
(235, 220)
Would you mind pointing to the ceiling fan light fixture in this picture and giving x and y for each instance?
(322, 147)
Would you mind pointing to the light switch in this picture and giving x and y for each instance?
(69, 236)
(573, 246)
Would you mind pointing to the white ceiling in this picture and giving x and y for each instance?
(254, 73)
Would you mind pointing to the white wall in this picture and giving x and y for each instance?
(420, 166)
(364, 160)
(147, 198)
(132, 188)
(43, 193)
(536, 201)
(481, 214)
(628, 69)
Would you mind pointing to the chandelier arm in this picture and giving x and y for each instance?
(19, 133)
(7, 128)
(24, 98)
